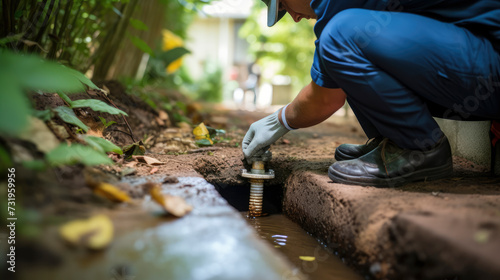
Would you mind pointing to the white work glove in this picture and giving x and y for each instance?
(262, 134)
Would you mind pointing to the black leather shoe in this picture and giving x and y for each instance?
(390, 166)
(351, 151)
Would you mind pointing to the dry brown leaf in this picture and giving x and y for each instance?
(94, 233)
(131, 164)
(148, 160)
(154, 190)
(163, 115)
(153, 170)
(159, 121)
(105, 90)
(174, 205)
(146, 142)
(110, 192)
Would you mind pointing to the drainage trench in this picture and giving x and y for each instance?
(304, 251)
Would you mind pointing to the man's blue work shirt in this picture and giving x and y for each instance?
(482, 17)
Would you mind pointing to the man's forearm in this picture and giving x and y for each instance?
(313, 105)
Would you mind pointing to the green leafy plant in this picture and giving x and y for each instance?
(102, 145)
(76, 153)
(106, 123)
(21, 73)
(67, 115)
(158, 64)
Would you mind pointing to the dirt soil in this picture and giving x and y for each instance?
(363, 237)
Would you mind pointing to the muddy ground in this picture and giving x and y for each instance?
(62, 194)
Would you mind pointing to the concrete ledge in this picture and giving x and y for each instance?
(437, 229)
(212, 242)
(444, 252)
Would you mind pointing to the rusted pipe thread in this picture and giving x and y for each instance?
(256, 196)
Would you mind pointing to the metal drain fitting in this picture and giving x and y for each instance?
(257, 176)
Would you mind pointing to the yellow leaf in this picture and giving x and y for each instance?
(174, 205)
(307, 258)
(155, 192)
(201, 132)
(170, 40)
(111, 192)
(94, 233)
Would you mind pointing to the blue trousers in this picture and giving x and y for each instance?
(399, 69)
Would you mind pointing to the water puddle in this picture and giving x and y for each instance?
(302, 250)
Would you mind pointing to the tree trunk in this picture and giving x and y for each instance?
(106, 53)
(152, 13)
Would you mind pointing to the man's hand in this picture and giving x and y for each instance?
(262, 134)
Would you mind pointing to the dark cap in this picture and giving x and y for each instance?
(273, 13)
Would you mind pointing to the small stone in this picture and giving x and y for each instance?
(170, 180)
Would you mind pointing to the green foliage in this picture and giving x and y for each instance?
(209, 87)
(134, 149)
(102, 145)
(64, 97)
(28, 72)
(63, 30)
(138, 24)
(97, 105)
(158, 64)
(44, 115)
(288, 47)
(4, 158)
(14, 107)
(94, 104)
(172, 55)
(106, 123)
(67, 115)
(203, 142)
(76, 153)
(140, 44)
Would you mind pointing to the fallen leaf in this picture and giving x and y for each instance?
(105, 90)
(174, 205)
(148, 160)
(134, 149)
(94, 233)
(163, 115)
(154, 190)
(146, 142)
(131, 164)
(128, 171)
(111, 192)
(201, 134)
(159, 121)
(153, 170)
(307, 258)
(285, 141)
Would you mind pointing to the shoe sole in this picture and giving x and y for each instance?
(428, 174)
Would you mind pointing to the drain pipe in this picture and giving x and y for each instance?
(257, 176)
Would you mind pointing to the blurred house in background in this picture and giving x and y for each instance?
(213, 38)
